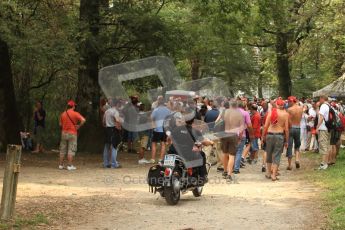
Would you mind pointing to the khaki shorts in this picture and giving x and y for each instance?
(324, 142)
(144, 141)
(68, 144)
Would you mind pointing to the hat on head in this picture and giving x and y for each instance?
(71, 103)
(280, 102)
(292, 99)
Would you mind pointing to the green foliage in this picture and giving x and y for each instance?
(332, 181)
(233, 40)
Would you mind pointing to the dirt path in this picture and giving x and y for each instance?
(96, 198)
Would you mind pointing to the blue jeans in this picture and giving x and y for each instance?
(239, 151)
(113, 163)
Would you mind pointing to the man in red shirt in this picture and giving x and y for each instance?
(256, 120)
(70, 122)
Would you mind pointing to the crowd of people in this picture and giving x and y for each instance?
(240, 127)
(296, 125)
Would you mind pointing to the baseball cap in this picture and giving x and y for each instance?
(71, 103)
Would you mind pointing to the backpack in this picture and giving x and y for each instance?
(342, 121)
(334, 122)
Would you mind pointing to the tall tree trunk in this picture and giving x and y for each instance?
(260, 94)
(195, 65)
(10, 121)
(283, 71)
(88, 93)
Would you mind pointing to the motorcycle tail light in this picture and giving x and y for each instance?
(167, 172)
(190, 171)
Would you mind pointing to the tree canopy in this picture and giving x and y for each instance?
(261, 47)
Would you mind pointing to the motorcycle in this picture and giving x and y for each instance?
(171, 178)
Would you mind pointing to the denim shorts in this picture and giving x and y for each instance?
(274, 148)
(294, 138)
(131, 136)
(254, 145)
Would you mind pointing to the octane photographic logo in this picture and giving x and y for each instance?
(111, 79)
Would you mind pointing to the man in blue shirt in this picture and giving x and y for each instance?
(211, 116)
(158, 116)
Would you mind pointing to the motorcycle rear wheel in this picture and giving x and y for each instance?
(197, 191)
(171, 197)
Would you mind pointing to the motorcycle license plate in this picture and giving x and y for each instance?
(169, 160)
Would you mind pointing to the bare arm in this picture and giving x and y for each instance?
(286, 130)
(39, 117)
(321, 118)
(251, 131)
(118, 118)
(267, 124)
(103, 120)
(81, 123)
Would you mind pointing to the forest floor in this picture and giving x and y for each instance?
(95, 198)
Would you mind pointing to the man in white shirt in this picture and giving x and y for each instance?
(321, 129)
(112, 123)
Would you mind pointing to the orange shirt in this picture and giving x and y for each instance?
(66, 121)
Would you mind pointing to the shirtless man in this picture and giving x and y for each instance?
(295, 111)
(233, 132)
(275, 135)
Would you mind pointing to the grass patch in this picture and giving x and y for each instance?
(332, 181)
(20, 223)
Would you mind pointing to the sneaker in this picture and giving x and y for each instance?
(236, 172)
(143, 161)
(71, 167)
(225, 175)
(289, 168)
(152, 161)
(323, 166)
(263, 169)
(61, 167)
(243, 164)
(229, 179)
(297, 165)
